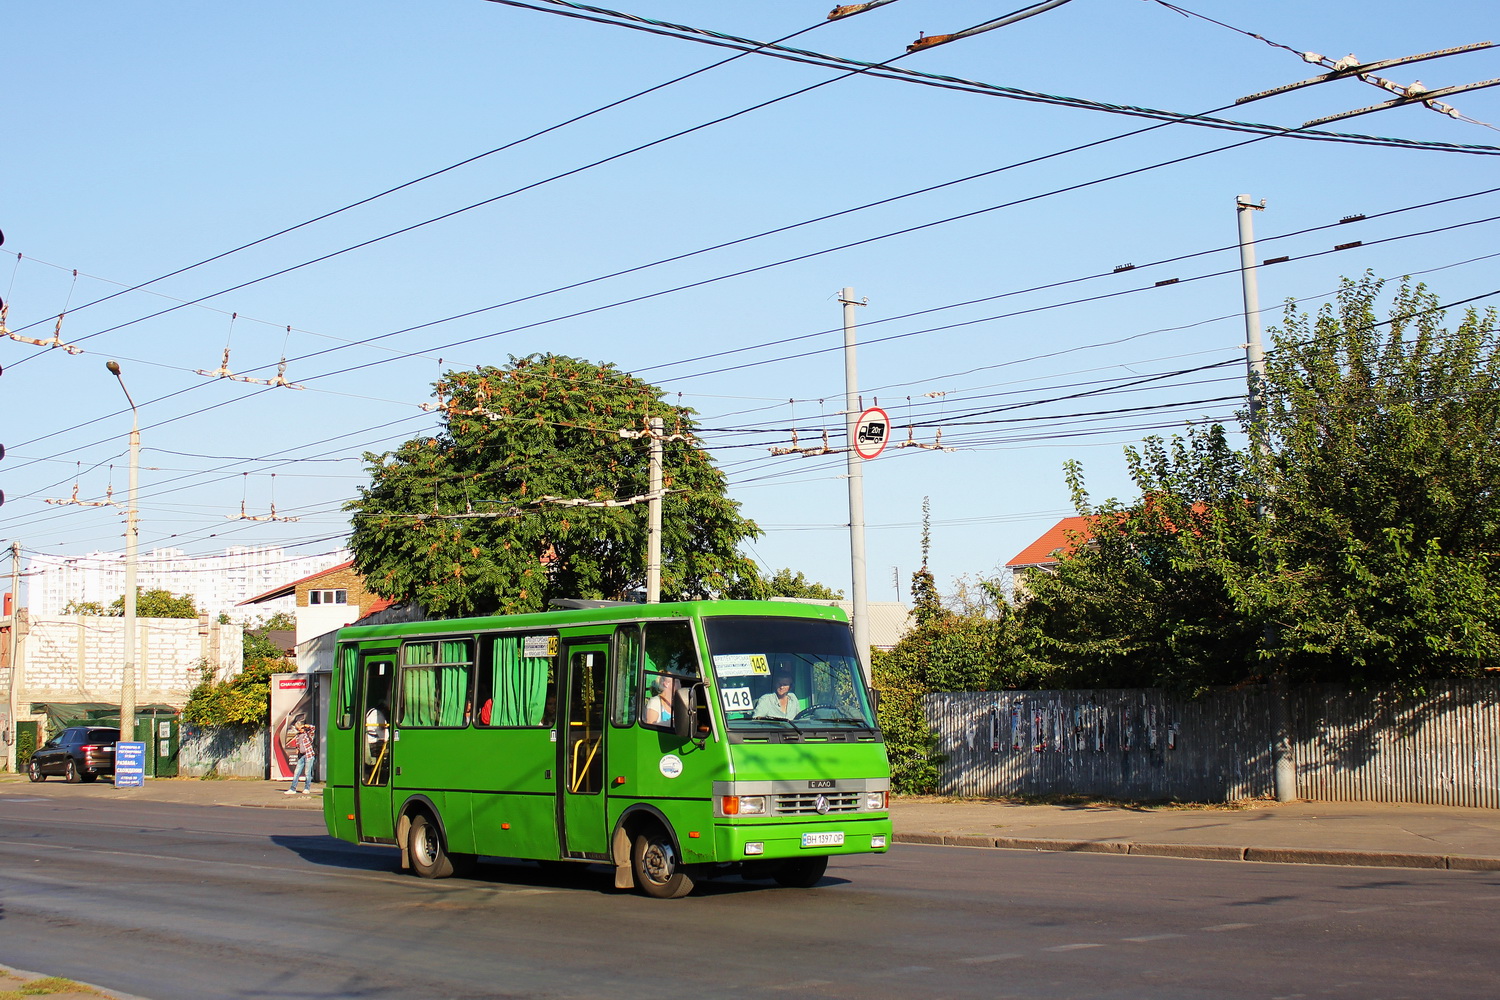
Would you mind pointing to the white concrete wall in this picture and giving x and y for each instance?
(82, 657)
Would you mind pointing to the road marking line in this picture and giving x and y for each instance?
(1072, 947)
(1426, 902)
(981, 959)
(1226, 927)
(1363, 909)
(1152, 937)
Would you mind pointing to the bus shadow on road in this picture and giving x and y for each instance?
(331, 852)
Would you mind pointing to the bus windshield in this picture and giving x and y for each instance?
(787, 673)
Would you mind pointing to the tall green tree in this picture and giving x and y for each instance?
(1355, 542)
(1382, 491)
(485, 515)
(785, 583)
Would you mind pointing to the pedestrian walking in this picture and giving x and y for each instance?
(307, 754)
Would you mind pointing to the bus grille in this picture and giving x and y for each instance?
(806, 803)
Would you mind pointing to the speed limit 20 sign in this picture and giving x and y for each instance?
(871, 432)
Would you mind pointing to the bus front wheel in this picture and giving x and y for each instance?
(804, 873)
(429, 858)
(658, 870)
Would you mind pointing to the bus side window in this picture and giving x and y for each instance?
(435, 684)
(671, 660)
(343, 712)
(517, 690)
(626, 683)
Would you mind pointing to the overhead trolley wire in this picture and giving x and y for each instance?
(429, 176)
(883, 71)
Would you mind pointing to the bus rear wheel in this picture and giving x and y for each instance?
(804, 873)
(429, 857)
(658, 870)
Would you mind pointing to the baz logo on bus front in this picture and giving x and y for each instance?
(826, 783)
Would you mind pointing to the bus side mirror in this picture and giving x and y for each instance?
(874, 701)
(697, 722)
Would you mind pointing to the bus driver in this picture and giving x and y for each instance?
(780, 703)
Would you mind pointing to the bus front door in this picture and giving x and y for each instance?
(372, 797)
(580, 766)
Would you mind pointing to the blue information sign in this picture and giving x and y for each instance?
(130, 765)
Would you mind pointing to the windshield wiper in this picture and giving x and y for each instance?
(776, 718)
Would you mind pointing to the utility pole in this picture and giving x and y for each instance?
(1283, 763)
(653, 516)
(127, 674)
(856, 487)
(15, 631)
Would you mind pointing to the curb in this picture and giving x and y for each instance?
(1209, 852)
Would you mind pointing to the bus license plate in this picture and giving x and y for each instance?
(835, 839)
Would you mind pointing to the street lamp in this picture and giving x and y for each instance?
(127, 676)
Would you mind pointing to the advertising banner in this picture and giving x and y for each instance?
(130, 765)
(294, 698)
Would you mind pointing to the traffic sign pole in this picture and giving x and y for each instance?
(856, 488)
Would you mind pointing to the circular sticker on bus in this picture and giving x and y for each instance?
(671, 765)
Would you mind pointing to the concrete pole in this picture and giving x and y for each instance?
(127, 674)
(856, 488)
(1283, 762)
(15, 632)
(1255, 356)
(653, 517)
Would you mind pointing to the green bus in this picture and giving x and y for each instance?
(673, 741)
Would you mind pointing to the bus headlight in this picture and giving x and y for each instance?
(742, 805)
(875, 801)
(755, 847)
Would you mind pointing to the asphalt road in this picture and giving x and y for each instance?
(170, 901)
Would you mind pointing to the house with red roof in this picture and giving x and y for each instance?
(1061, 540)
(326, 601)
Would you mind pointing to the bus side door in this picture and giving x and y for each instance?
(580, 767)
(374, 745)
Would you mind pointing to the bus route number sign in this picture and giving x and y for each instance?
(871, 432)
(736, 699)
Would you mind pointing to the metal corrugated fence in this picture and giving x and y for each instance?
(1441, 749)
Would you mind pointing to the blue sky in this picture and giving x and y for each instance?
(147, 137)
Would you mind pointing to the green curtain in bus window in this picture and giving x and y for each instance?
(418, 697)
(520, 685)
(453, 694)
(535, 674)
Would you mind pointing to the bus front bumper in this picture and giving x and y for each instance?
(796, 839)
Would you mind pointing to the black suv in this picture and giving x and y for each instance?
(79, 753)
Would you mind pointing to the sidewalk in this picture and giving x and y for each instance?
(1337, 833)
(1393, 835)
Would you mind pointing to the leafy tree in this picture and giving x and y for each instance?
(1147, 601)
(784, 583)
(245, 699)
(281, 621)
(1381, 492)
(83, 608)
(242, 700)
(1354, 543)
(465, 521)
(157, 603)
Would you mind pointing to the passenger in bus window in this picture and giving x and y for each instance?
(377, 731)
(779, 703)
(659, 707)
